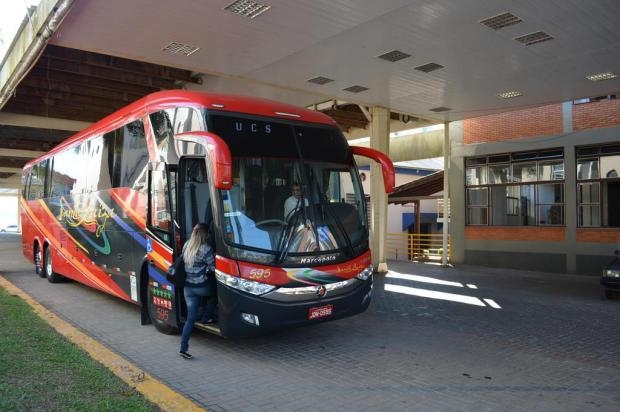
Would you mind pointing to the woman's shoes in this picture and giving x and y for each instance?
(185, 355)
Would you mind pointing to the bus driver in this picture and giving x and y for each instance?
(293, 202)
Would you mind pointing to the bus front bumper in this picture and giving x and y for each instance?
(242, 314)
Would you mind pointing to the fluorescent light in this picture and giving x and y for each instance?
(359, 141)
(601, 76)
(402, 133)
(248, 8)
(510, 94)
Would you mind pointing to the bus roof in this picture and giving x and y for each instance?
(175, 98)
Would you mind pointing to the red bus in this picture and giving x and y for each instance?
(111, 206)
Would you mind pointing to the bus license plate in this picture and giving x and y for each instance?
(320, 312)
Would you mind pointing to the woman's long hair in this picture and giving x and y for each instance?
(200, 236)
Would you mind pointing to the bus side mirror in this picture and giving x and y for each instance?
(220, 160)
(387, 167)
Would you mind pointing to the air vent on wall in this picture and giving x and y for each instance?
(247, 8)
(440, 109)
(429, 67)
(501, 21)
(394, 56)
(355, 89)
(533, 38)
(180, 48)
(320, 80)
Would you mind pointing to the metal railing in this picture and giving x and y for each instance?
(416, 247)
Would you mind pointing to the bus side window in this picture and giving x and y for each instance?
(163, 132)
(196, 194)
(38, 175)
(160, 213)
(187, 119)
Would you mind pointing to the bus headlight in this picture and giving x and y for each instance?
(244, 285)
(611, 273)
(365, 274)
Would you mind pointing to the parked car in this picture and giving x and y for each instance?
(611, 277)
(9, 229)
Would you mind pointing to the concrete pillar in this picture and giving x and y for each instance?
(379, 140)
(446, 192)
(570, 196)
(456, 183)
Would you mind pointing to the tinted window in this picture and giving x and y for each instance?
(162, 130)
(134, 155)
(68, 176)
(187, 120)
(248, 136)
(37, 181)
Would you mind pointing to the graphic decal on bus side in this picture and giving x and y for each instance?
(89, 222)
(89, 276)
(304, 276)
(110, 244)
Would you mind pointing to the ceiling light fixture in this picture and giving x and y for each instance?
(355, 89)
(440, 109)
(601, 76)
(429, 67)
(180, 48)
(501, 21)
(247, 8)
(394, 56)
(510, 94)
(320, 80)
(533, 38)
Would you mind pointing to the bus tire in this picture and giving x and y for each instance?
(38, 261)
(48, 269)
(159, 324)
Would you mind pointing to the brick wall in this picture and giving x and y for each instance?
(540, 121)
(598, 235)
(519, 233)
(605, 113)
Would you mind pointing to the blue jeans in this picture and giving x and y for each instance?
(193, 296)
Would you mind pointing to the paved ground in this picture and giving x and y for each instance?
(551, 344)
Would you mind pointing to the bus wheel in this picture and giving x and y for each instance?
(159, 316)
(49, 273)
(38, 262)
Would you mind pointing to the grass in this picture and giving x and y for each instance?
(42, 371)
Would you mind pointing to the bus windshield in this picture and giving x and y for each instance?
(296, 189)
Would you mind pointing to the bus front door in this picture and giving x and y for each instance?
(163, 299)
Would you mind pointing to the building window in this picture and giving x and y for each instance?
(598, 186)
(515, 189)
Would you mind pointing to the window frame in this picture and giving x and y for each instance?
(478, 175)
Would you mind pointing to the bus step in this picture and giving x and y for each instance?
(211, 327)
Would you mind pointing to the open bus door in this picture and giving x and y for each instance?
(161, 244)
(194, 206)
(197, 177)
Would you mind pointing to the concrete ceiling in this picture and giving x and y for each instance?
(137, 43)
(276, 53)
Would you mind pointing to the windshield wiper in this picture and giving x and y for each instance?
(326, 205)
(287, 231)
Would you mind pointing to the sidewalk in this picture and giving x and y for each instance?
(546, 342)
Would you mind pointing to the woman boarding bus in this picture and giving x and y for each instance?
(112, 206)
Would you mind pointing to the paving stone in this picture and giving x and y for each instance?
(553, 346)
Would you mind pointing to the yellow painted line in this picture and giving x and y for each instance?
(152, 389)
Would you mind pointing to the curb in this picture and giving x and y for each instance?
(151, 388)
